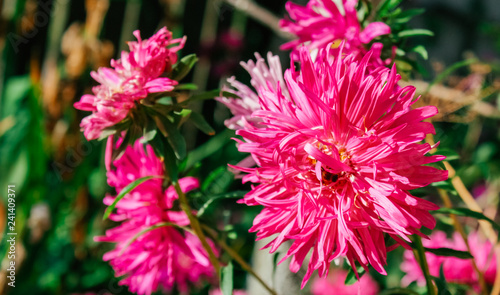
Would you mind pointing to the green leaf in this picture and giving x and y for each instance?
(351, 276)
(445, 184)
(421, 51)
(400, 52)
(214, 175)
(207, 149)
(407, 15)
(208, 95)
(183, 117)
(149, 132)
(468, 213)
(441, 283)
(175, 139)
(403, 65)
(448, 153)
(450, 70)
(127, 190)
(387, 6)
(230, 195)
(182, 68)
(186, 86)
(201, 124)
(226, 279)
(449, 252)
(153, 227)
(415, 32)
(171, 163)
(218, 181)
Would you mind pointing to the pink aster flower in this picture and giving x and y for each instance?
(322, 22)
(336, 162)
(264, 77)
(334, 284)
(130, 79)
(164, 256)
(455, 270)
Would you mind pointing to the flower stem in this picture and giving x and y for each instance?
(195, 224)
(237, 258)
(460, 229)
(422, 260)
(471, 203)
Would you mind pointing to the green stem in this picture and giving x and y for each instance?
(422, 260)
(195, 225)
(238, 258)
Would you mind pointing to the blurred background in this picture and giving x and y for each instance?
(48, 49)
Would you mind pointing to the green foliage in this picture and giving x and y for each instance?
(226, 279)
(126, 190)
(449, 252)
(183, 67)
(468, 213)
(352, 276)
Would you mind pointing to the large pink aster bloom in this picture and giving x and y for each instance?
(336, 160)
(130, 79)
(164, 256)
(455, 270)
(334, 284)
(321, 22)
(264, 77)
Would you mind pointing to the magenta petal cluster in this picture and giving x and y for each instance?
(321, 22)
(131, 78)
(455, 270)
(337, 159)
(264, 77)
(163, 256)
(334, 283)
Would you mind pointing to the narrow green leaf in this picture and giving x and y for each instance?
(351, 276)
(175, 139)
(214, 175)
(171, 163)
(415, 32)
(407, 15)
(207, 149)
(149, 132)
(445, 184)
(186, 86)
(450, 70)
(182, 68)
(226, 279)
(449, 252)
(127, 190)
(403, 65)
(208, 95)
(468, 213)
(106, 133)
(421, 51)
(201, 124)
(183, 117)
(153, 227)
(400, 52)
(441, 283)
(448, 153)
(230, 195)
(387, 6)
